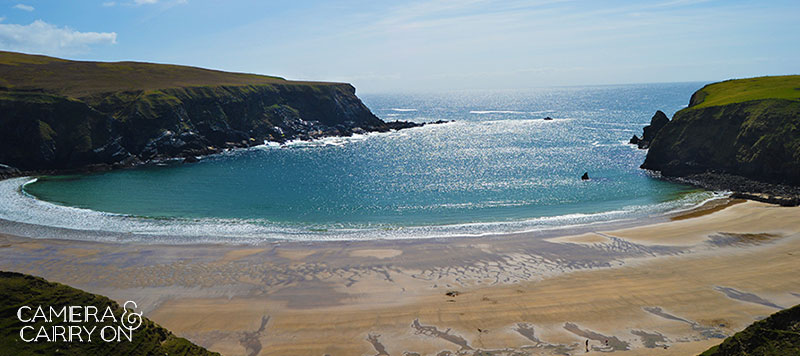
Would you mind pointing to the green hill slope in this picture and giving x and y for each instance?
(750, 89)
(777, 335)
(17, 290)
(81, 79)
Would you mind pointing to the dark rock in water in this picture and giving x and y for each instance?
(657, 122)
(399, 125)
(585, 176)
(190, 159)
(634, 140)
(548, 118)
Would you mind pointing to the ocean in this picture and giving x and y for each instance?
(498, 168)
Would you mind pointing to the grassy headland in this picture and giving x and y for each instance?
(18, 290)
(59, 114)
(744, 127)
(750, 89)
(81, 79)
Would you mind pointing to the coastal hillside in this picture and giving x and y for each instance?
(18, 290)
(58, 114)
(777, 335)
(746, 127)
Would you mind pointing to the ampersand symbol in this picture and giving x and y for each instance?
(131, 321)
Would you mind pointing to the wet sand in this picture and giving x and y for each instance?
(682, 284)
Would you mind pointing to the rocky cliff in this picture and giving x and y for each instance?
(657, 122)
(57, 114)
(743, 128)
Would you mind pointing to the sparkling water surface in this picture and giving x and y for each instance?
(498, 168)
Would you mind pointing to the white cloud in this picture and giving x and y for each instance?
(142, 2)
(24, 7)
(42, 37)
(109, 3)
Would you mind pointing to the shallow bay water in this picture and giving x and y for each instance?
(499, 167)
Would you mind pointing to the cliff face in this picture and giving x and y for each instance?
(102, 118)
(758, 139)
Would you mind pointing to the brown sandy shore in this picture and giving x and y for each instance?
(683, 284)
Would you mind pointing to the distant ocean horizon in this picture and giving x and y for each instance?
(498, 168)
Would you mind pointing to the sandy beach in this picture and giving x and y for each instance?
(672, 287)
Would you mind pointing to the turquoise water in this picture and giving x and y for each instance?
(498, 168)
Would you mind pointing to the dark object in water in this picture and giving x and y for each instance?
(548, 118)
(585, 176)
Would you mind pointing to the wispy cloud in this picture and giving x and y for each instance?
(109, 3)
(144, 2)
(24, 7)
(42, 37)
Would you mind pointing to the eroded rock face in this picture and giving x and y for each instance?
(657, 122)
(759, 140)
(43, 131)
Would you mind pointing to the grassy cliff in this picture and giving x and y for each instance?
(777, 335)
(744, 90)
(17, 290)
(61, 114)
(745, 127)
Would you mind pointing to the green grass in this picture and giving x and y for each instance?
(79, 79)
(750, 89)
(777, 335)
(18, 290)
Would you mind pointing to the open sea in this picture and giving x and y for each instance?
(498, 168)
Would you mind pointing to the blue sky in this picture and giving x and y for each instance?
(385, 46)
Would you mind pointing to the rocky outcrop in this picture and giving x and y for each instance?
(758, 140)
(657, 122)
(751, 147)
(62, 128)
